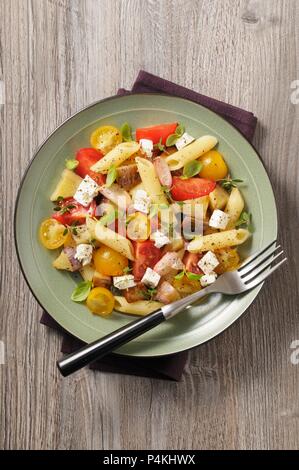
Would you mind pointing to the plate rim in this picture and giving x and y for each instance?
(36, 152)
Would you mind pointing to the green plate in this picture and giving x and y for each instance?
(52, 288)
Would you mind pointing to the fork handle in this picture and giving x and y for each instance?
(99, 348)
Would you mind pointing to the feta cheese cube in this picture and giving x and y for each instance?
(219, 219)
(151, 278)
(208, 279)
(83, 253)
(160, 239)
(184, 140)
(147, 146)
(142, 201)
(87, 190)
(124, 282)
(208, 262)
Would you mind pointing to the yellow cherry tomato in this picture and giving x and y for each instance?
(52, 234)
(213, 166)
(100, 301)
(109, 262)
(105, 138)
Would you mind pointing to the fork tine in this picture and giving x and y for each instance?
(255, 256)
(257, 270)
(260, 261)
(264, 276)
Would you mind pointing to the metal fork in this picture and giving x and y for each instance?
(250, 274)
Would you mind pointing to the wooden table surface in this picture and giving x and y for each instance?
(240, 390)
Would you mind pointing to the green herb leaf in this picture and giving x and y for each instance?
(109, 218)
(160, 146)
(57, 208)
(150, 293)
(126, 132)
(180, 130)
(179, 275)
(171, 140)
(111, 176)
(127, 270)
(228, 183)
(81, 292)
(65, 232)
(71, 164)
(193, 276)
(59, 199)
(191, 169)
(245, 220)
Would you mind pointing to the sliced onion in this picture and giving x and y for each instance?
(163, 172)
(166, 293)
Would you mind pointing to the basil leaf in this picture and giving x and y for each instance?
(180, 275)
(111, 176)
(193, 276)
(71, 164)
(126, 132)
(191, 169)
(180, 130)
(81, 292)
(60, 198)
(245, 219)
(171, 140)
(65, 232)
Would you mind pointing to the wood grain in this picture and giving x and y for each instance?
(240, 390)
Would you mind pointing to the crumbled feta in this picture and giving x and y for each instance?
(208, 279)
(184, 140)
(124, 282)
(87, 190)
(208, 262)
(219, 219)
(151, 278)
(147, 146)
(160, 239)
(83, 253)
(142, 201)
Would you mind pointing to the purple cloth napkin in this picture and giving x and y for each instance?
(166, 367)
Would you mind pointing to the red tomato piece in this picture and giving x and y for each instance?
(146, 256)
(155, 133)
(86, 158)
(190, 261)
(72, 212)
(191, 188)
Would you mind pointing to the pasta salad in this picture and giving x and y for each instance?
(146, 218)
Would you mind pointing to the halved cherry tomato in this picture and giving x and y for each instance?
(190, 261)
(100, 301)
(191, 188)
(109, 262)
(86, 158)
(146, 256)
(72, 212)
(52, 234)
(213, 166)
(155, 133)
(105, 138)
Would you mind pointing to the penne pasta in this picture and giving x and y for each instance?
(116, 156)
(151, 181)
(140, 307)
(218, 240)
(234, 207)
(196, 207)
(114, 240)
(191, 152)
